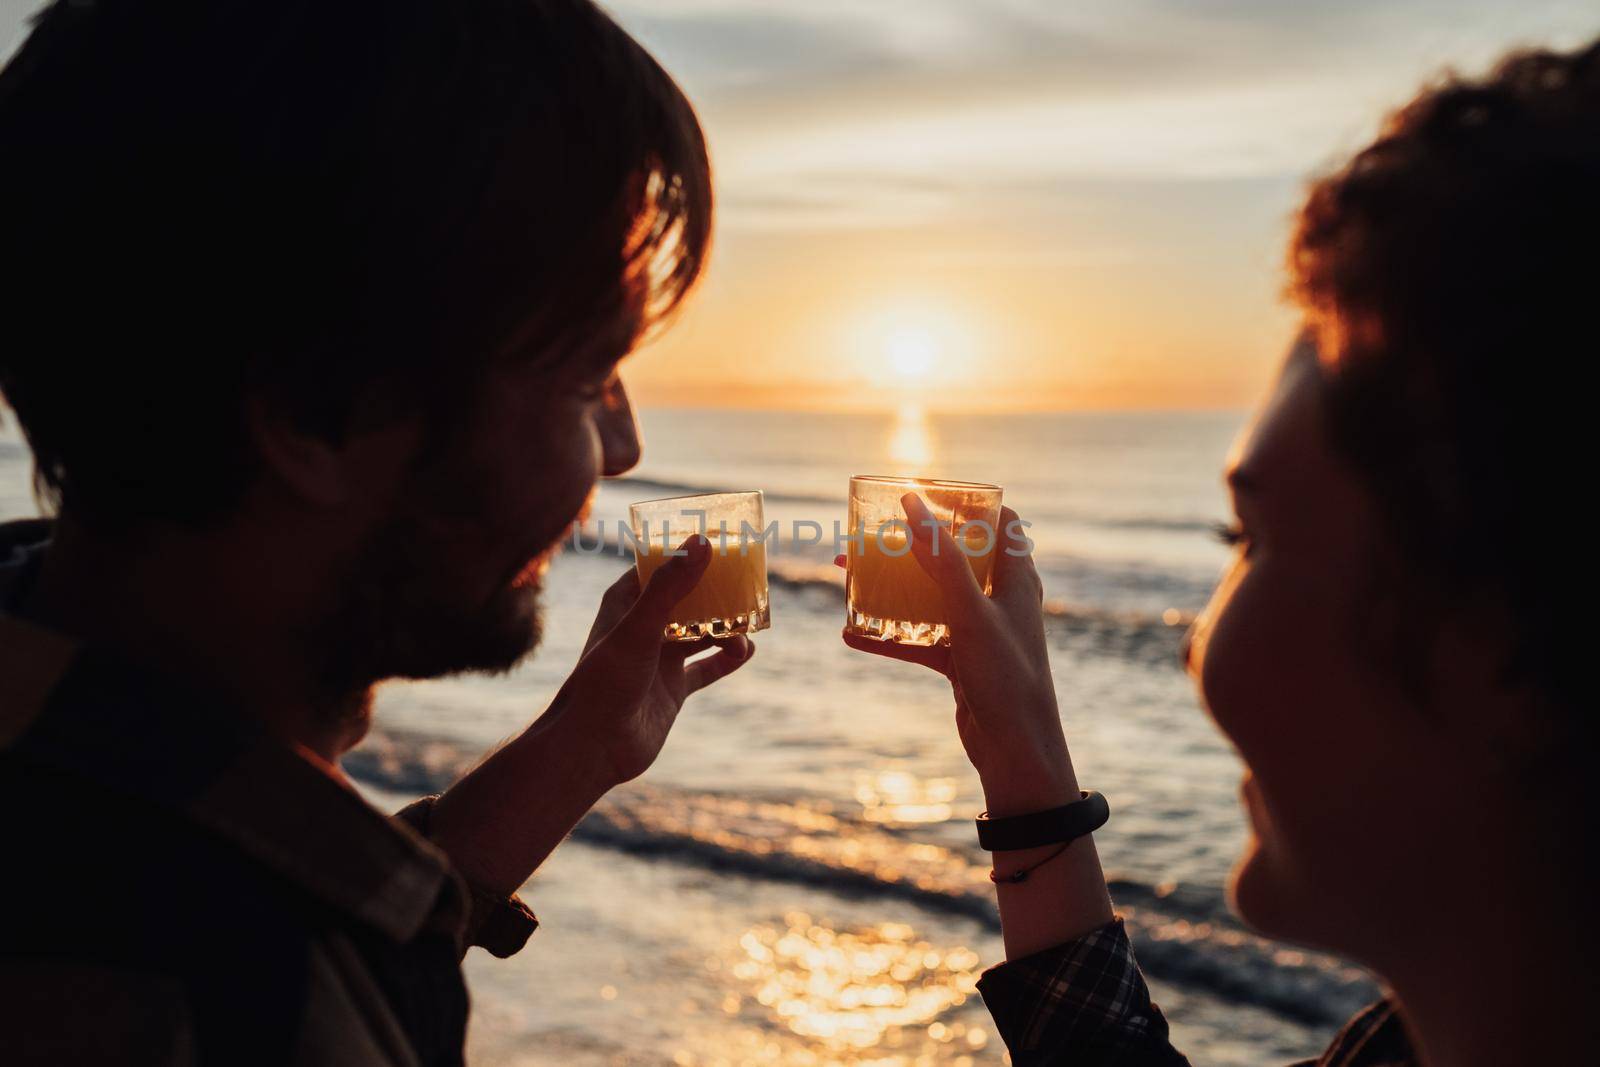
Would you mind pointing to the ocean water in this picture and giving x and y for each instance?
(796, 880)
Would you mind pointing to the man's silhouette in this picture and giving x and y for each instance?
(312, 315)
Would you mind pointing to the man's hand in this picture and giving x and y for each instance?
(606, 726)
(630, 683)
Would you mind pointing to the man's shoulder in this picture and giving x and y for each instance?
(182, 931)
(102, 885)
(111, 899)
(69, 1013)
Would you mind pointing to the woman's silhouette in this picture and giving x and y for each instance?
(1399, 648)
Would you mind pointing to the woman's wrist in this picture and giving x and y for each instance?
(1019, 791)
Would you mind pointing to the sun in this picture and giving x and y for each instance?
(912, 354)
(912, 348)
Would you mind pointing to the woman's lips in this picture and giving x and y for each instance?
(1255, 803)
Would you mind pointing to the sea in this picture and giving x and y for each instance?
(796, 881)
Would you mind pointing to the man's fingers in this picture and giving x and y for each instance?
(947, 565)
(675, 652)
(614, 604)
(934, 657)
(724, 661)
(1016, 579)
(669, 584)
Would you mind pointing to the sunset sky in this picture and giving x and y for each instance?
(1021, 203)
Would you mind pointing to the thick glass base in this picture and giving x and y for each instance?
(748, 623)
(901, 633)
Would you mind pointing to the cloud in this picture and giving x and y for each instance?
(824, 110)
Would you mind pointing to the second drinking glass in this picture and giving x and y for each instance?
(888, 595)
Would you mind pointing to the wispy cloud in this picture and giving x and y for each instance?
(848, 102)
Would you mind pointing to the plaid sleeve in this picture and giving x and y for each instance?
(495, 922)
(1083, 1002)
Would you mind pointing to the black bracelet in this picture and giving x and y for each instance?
(1057, 826)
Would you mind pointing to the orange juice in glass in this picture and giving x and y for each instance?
(731, 597)
(888, 596)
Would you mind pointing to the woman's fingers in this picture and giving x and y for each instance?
(729, 657)
(1016, 580)
(934, 657)
(943, 560)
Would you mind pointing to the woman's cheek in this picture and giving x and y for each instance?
(1259, 675)
(1239, 679)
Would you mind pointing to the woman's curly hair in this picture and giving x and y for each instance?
(1451, 272)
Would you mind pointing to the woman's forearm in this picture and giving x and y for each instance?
(1065, 897)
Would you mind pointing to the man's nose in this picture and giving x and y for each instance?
(619, 434)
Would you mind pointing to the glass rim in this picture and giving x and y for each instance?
(694, 496)
(932, 483)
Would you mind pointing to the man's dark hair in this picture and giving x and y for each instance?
(318, 201)
(1453, 271)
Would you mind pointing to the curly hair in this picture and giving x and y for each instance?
(1451, 272)
(209, 200)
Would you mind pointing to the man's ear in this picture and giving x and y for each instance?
(312, 468)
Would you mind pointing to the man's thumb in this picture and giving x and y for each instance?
(670, 583)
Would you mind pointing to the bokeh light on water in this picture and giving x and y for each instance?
(897, 796)
(863, 996)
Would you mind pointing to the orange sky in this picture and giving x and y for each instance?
(1038, 204)
(1035, 204)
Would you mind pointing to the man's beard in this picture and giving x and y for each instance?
(392, 619)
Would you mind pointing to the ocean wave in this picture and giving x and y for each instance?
(660, 487)
(1183, 934)
(663, 487)
(1142, 637)
(1161, 523)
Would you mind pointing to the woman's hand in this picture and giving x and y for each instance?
(997, 664)
(1006, 713)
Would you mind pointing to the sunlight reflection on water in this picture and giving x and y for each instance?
(911, 441)
(853, 989)
(896, 796)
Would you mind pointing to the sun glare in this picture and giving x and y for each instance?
(912, 348)
(911, 354)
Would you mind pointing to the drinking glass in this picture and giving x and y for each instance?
(731, 597)
(888, 596)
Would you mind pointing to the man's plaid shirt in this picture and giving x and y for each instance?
(1085, 1002)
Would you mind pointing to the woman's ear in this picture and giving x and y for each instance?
(1493, 706)
(314, 469)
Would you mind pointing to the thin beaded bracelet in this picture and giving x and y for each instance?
(1018, 877)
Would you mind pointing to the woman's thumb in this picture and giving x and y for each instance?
(940, 556)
